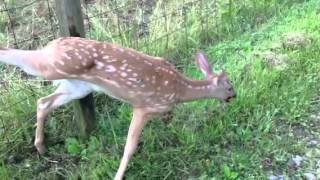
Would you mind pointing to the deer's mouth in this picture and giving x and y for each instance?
(228, 99)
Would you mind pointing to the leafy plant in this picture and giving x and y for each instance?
(228, 173)
(73, 146)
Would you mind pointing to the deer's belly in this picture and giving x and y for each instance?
(135, 97)
(131, 96)
(109, 91)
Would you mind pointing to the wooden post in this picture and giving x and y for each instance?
(71, 24)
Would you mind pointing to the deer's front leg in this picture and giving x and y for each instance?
(139, 119)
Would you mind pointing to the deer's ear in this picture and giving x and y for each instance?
(203, 64)
(216, 80)
(223, 75)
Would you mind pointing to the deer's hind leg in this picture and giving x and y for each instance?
(67, 91)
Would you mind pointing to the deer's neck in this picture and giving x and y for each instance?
(195, 89)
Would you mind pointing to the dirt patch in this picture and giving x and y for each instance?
(295, 40)
(274, 60)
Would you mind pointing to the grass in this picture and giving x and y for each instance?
(27, 24)
(254, 137)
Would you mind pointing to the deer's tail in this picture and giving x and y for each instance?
(19, 58)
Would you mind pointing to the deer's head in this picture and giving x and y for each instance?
(221, 88)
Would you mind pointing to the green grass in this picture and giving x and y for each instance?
(26, 24)
(254, 136)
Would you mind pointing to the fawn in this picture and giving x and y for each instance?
(150, 84)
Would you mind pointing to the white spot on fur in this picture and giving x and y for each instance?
(147, 62)
(148, 93)
(123, 67)
(130, 53)
(123, 74)
(172, 96)
(61, 72)
(61, 62)
(132, 79)
(164, 100)
(66, 56)
(109, 81)
(110, 68)
(166, 83)
(112, 60)
(100, 65)
(86, 76)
